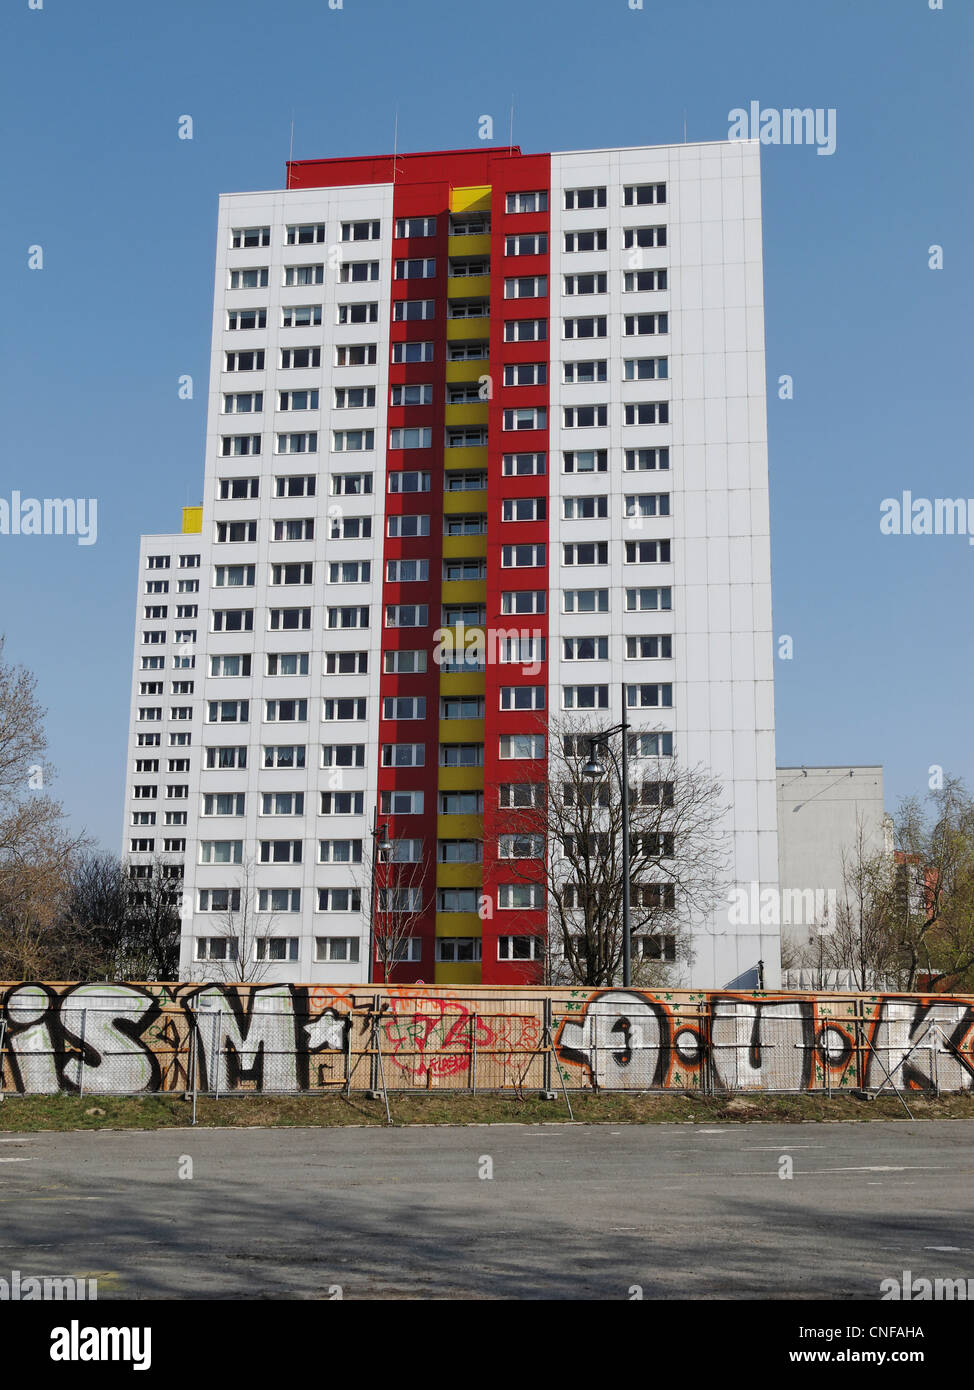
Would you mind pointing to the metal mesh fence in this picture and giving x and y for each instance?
(127, 1041)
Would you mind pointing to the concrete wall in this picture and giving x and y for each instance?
(819, 811)
(137, 1038)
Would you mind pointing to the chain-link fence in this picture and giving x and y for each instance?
(280, 1040)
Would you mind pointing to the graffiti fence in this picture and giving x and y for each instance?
(125, 1039)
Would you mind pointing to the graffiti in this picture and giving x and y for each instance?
(130, 1039)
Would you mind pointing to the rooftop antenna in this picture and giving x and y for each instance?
(395, 146)
(510, 146)
(684, 126)
(290, 152)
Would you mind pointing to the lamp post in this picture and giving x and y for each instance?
(381, 849)
(594, 770)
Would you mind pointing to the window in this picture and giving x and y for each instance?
(288, 619)
(634, 281)
(233, 576)
(412, 352)
(407, 615)
(346, 663)
(524, 508)
(649, 647)
(365, 312)
(412, 395)
(404, 662)
(527, 202)
(343, 755)
(352, 441)
(279, 851)
(659, 744)
(407, 571)
(465, 524)
(400, 899)
(585, 553)
(526, 418)
(643, 325)
(277, 947)
(585, 648)
(522, 697)
(647, 413)
(585, 373)
(351, 617)
(586, 601)
(243, 402)
(339, 851)
(647, 504)
(458, 948)
(461, 803)
(251, 361)
(348, 572)
(579, 198)
(520, 895)
(304, 275)
(524, 601)
(340, 899)
(293, 529)
(585, 327)
(241, 237)
(342, 803)
(520, 948)
(525, 330)
(410, 310)
(404, 755)
(239, 488)
(418, 268)
(457, 481)
(284, 755)
(415, 226)
(233, 620)
(360, 231)
(354, 397)
(514, 746)
(226, 665)
(351, 484)
(221, 851)
(295, 400)
(410, 438)
(344, 709)
(216, 948)
(353, 272)
(396, 803)
(636, 194)
(466, 439)
(456, 900)
(646, 460)
(246, 319)
(300, 357)
(648, 600)
(644, 236)
(239, 445)
(223, 804)
(595, 282)
(305, 234)
(461, 755)
(523, 465)
(297, 485)
(350, 528)
(522, 556)
(226, 756)
(646, 368)
(248, 278)
(585, 461)
(647, 552)
(584, 416)
(585, 697)
(285, 711)
(301, 315)
(519, 650)
(535, 244)
(462, 707)
(404, 707)
(585, 508)
(282, 804)
(594, 240)
(219, 900)
(649, 696)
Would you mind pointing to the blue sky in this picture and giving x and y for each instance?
(878, 344)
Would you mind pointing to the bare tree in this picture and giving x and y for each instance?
(394, 899)
(566, 838)
(36, 850)
(243, 930)
(933, 907)
(150, 946)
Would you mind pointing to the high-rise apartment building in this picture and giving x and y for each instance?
(517, 396)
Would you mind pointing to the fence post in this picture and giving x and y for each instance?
(81, 1066)
(548, 1035)
(193, 1058)
(473, 1059)
(217, 1029)
(3, 1034)
(860, 1057)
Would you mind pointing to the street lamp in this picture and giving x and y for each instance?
(381, 850)
(594, 770)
